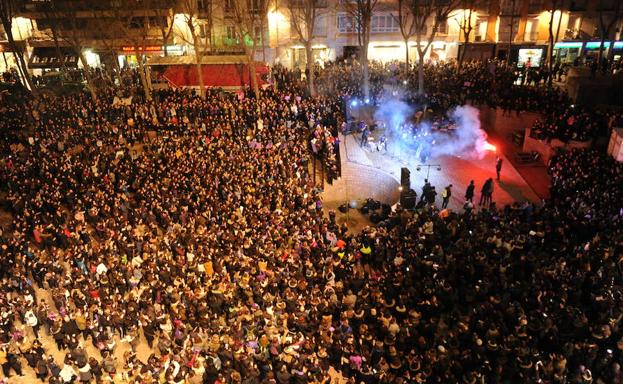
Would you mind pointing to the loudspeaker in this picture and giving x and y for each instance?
(405, 179)
(408, 198)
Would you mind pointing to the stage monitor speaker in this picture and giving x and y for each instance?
(408, 199)
(405, 179)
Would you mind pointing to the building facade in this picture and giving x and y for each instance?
(110, 33)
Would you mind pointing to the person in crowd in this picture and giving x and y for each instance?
(446, 194)
(469, 191)
(498, 167)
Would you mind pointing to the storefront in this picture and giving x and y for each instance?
(520, 54)
(477, 51)
(567, 51)
(53, 58)
(591, 49)
(395, 51)
(127, 56)
(298, 57)
(8, 61)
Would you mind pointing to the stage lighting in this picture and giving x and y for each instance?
(418, 168)
(404, 82)
(400, 188)
(367, 101)
(353, 103)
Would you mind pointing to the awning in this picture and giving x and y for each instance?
(6, 47)
(47, 57)
(215, 75)
(190, 60)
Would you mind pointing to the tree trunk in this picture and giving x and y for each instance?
(141, 72)
(117, 68)
(202, 88)
(366, 70)
(57, 46)
(310, 67)
(20, 72)
(510, 37)
(601, 47)
(19, 56)
(550, 49)
(407, 55)
(88, 75)
(253, 75)
(420, 73)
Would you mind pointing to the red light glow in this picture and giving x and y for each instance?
(489, 147)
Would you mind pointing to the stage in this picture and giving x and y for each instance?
(371, 173)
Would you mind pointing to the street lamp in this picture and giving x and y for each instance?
(428, 166)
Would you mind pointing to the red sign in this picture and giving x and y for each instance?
(149, 48)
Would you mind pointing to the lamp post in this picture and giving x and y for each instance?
(428, 166)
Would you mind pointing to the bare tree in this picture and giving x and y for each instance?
(304, 14)
(466, 26)
(7, 12)
(49, 10)
(247, 18)
(199, 41)
(361, 11)
(73, 33)
(136, 25)
(553, 6)
(406, 22)
(606, 9)
(166, 28)
(424, 11)
(510, 36)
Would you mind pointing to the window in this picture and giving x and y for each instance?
(204, 30)
(505, 28)
(480, 29)
(203, 5)
(301, 3)
(229, 6)
(231, 32)
(510, 7)
(320, 26)
(531, 33)
(346, 23)
(384, 23)
(535, 6)
(254, 6)
(442, 28)
(257, 32)
(578, 5)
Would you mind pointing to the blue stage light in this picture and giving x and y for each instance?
(353, 103)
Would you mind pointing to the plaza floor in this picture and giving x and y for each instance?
(454, 170)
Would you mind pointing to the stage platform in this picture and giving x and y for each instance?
(454, 170)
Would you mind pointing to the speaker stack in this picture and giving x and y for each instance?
(408, 197)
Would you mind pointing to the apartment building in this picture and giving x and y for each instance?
(108, 32)
(499, 28)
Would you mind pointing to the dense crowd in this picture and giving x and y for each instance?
(571, 122)
(193, 225)
(494, 83)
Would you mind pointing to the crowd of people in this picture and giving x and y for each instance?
(577, 123)
(193, 226)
